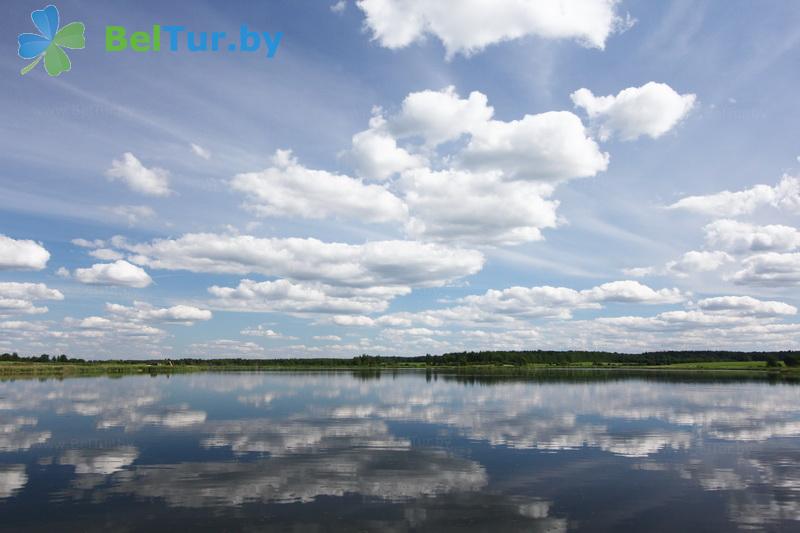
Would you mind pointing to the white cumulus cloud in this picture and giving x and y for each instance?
(476, 208)
(770, 268)
(376, 154)
(741, 237)
(629, 291)
(375, 263)
(691, 262)
(785, 196)
(22, 254)
(290, 189)
(745, 305)
(440, 116)
(150, 181)
(120, 273)
(144, 312)
(698, 261)
(511, 305)
(115, 326)
(549, 147)
(20, 298)
(29, 291)
(468, 26)
(652, 109)
(302, 298)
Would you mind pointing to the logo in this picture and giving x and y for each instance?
(118, 39)
(50, 42)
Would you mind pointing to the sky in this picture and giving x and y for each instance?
(404, 177)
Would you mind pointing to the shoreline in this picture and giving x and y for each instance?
(106, 368)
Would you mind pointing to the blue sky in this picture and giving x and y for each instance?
(405, 178)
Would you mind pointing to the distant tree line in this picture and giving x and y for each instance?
(44, 358)
(504, 358)
(519, 358)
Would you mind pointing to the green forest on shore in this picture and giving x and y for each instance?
(14, 364)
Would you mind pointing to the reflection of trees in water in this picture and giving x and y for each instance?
(590, 375)
(369, 375)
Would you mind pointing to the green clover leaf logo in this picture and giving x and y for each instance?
(50, 42)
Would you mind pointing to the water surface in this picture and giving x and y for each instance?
(401, 451)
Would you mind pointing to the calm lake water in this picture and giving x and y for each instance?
(401, 451)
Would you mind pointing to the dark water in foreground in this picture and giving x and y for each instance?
(312, 452)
